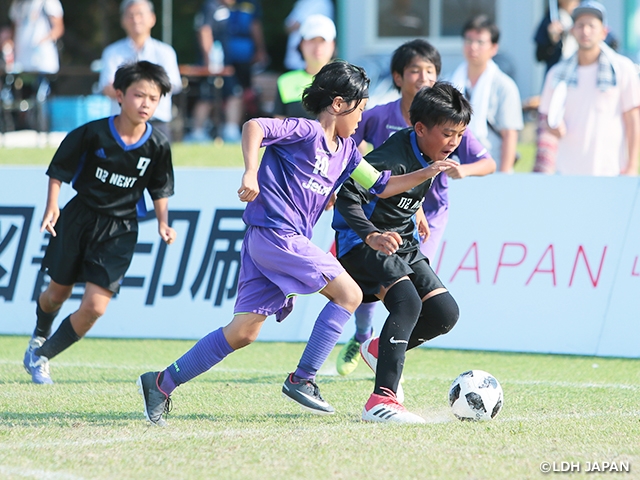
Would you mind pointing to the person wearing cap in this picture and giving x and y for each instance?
(301, 10)
(317, 46)
(137, 18)
(591, 100)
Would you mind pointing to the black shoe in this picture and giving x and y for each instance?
(307, 394)
(156, 402)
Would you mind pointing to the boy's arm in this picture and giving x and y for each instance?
(508, 150)
(349, 205)
(384, 185)
(482, 167)
(52, 210)
(252, 136)
(161, 206)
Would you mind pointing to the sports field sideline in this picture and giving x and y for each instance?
(232, 422)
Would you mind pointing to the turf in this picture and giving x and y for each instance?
(211, 155)
(232, 422)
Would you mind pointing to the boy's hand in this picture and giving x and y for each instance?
(167, 233)
(49, 220)
(443, 165)
(386, 242)
(456, 172)
(249, 189)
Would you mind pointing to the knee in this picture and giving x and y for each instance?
(349, 298)
(91, 312)
(53, 298)
(403, 297)
(443, 310)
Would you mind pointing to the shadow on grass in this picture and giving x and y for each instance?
(66, 419)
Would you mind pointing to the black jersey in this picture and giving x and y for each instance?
(400, 154)
(110, 176)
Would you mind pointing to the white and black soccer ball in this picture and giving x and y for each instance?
(475, 395)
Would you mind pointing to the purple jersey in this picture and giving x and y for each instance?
(297, 174)
(382, 121)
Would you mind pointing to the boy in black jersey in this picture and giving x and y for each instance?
(376, 245)
(109, 162)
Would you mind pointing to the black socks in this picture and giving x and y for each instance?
(44, 321)
(64, 337)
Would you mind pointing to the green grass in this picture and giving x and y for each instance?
(232, 422)
(213, 155)
(184, 155)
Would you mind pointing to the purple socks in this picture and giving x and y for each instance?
(324, 336)
(209, 351)
(364, 320)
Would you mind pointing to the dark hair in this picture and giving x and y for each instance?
(438, 105)
(143, 70)
(405, 53)
(336, 79)
(482, 22)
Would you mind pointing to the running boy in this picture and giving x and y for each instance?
(304, 162)
(414, 65)
(375, 243)
(109, 163)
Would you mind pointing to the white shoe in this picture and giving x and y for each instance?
(369, 353)
(387, 409)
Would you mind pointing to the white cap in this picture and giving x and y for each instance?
(318, 26)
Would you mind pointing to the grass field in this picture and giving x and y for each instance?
(212, 155)
(233, 423)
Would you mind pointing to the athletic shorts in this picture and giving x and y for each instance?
(276, 266)
(372, 270)
(90, 247)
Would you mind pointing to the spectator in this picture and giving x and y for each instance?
(598, 116)
(38, 24)
(237, 25)
(293, 59)
(497, 109)
(137, 18)
(553, 37)
(317, 44)
(554, 42)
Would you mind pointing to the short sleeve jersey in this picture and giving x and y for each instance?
(401, 155)
(382, 121)
(297, 174)
(110, 176)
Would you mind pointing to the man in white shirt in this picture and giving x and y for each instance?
(494, 96)
(137, 20)
(592, 102)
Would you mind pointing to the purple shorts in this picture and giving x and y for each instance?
(276, 266)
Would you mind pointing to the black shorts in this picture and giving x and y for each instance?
(90, 247)
(372, 270)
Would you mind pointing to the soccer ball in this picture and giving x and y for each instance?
(475, 395)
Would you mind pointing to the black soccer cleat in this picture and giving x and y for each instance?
(156, 402)
(307, 394)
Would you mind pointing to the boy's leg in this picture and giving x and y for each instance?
(438, 316)
(403, 303)
(156, 387)
(344, 295)
(73, 328)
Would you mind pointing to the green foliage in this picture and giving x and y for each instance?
(232, 422)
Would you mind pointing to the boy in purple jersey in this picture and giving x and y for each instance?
(303, 164)
(414, 65)
(110, 162)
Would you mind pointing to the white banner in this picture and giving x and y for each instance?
(536, 263)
